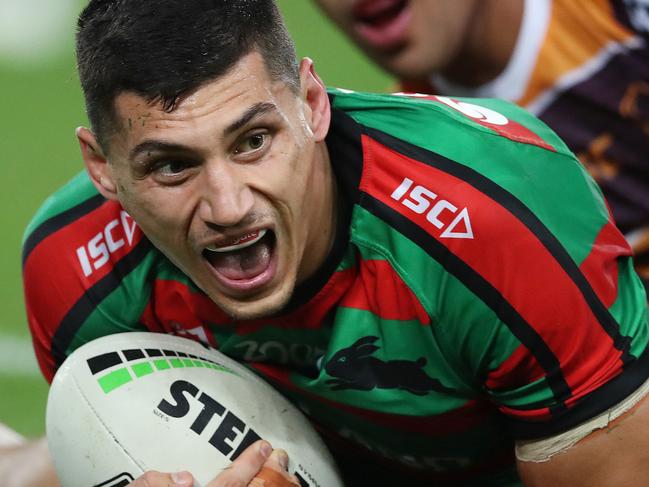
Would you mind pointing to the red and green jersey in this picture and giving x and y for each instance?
(583, 68)
(477, 293)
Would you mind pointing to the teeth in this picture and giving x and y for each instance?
(239, 243)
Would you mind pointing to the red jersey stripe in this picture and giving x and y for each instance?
(176, 306)
(600, 267)
(439, 202)
(519, 369)
(91, 246)
(383, 292)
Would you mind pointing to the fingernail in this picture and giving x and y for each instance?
(265, 449)
(182, 479)
(282, 458)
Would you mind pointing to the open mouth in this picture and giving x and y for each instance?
(378, 12)
(244, 262)
(382, 23)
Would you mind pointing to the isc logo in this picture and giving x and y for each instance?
(96, 252)
(420, 199)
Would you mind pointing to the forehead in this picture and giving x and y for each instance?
(219, 101)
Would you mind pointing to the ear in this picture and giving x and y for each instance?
(96, 163)
(365, 350)
(316, 99)
(363, 346)
(366, 340)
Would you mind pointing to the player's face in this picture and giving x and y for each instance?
(233, 185)
(409, 38)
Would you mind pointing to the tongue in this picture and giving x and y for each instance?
(246, 263)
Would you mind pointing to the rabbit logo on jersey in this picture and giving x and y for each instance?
(354, 367)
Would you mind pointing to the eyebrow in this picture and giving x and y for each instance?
(153, 146)
(156, 145)
(249, 114)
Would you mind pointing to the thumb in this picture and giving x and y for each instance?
(274, 472)
(158, 479)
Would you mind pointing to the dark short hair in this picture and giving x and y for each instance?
(163, 49)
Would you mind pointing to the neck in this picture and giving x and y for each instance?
(490, 42)
(323, 234)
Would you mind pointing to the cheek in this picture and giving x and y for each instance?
(156, 212)
(285, 172)
(442, 26)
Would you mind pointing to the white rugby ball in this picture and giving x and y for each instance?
(127, 403)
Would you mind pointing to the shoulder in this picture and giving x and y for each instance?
(77, 219)
(470, 173)
(85, 266)
(75, 198)
(439, 122)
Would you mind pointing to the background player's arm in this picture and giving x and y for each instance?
(617, 455)
(25, 463)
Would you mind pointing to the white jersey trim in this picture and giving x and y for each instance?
(544, 449)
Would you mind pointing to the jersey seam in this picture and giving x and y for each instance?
(450, 114)
(400, 272)
(365, 176)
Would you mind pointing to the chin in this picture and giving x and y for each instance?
(405, 69)
(253, 307)
(411, 62)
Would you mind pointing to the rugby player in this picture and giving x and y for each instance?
(436, 282)
(582, 67)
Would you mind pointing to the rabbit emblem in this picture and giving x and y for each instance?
(355, 368)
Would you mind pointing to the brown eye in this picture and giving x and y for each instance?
(256, 141)
(173, 171)
(252, 143)
(171, 168)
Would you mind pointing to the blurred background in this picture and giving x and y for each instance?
(40, 106)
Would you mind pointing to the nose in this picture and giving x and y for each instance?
(225, 197)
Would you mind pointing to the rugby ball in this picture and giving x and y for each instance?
(132, 402)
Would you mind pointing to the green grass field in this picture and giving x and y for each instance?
(41, 105)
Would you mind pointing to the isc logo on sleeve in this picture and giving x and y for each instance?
(115, 235)
(419, 199)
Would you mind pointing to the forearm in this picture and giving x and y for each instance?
(615, 455)
(27, 464)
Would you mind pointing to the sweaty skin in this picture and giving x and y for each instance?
(234, 185)
(240, 160)
(617, 455)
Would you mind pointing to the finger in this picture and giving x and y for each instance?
(158, 479)
(269, 477)
(273, 473)
(278, 460)
(245, 467)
